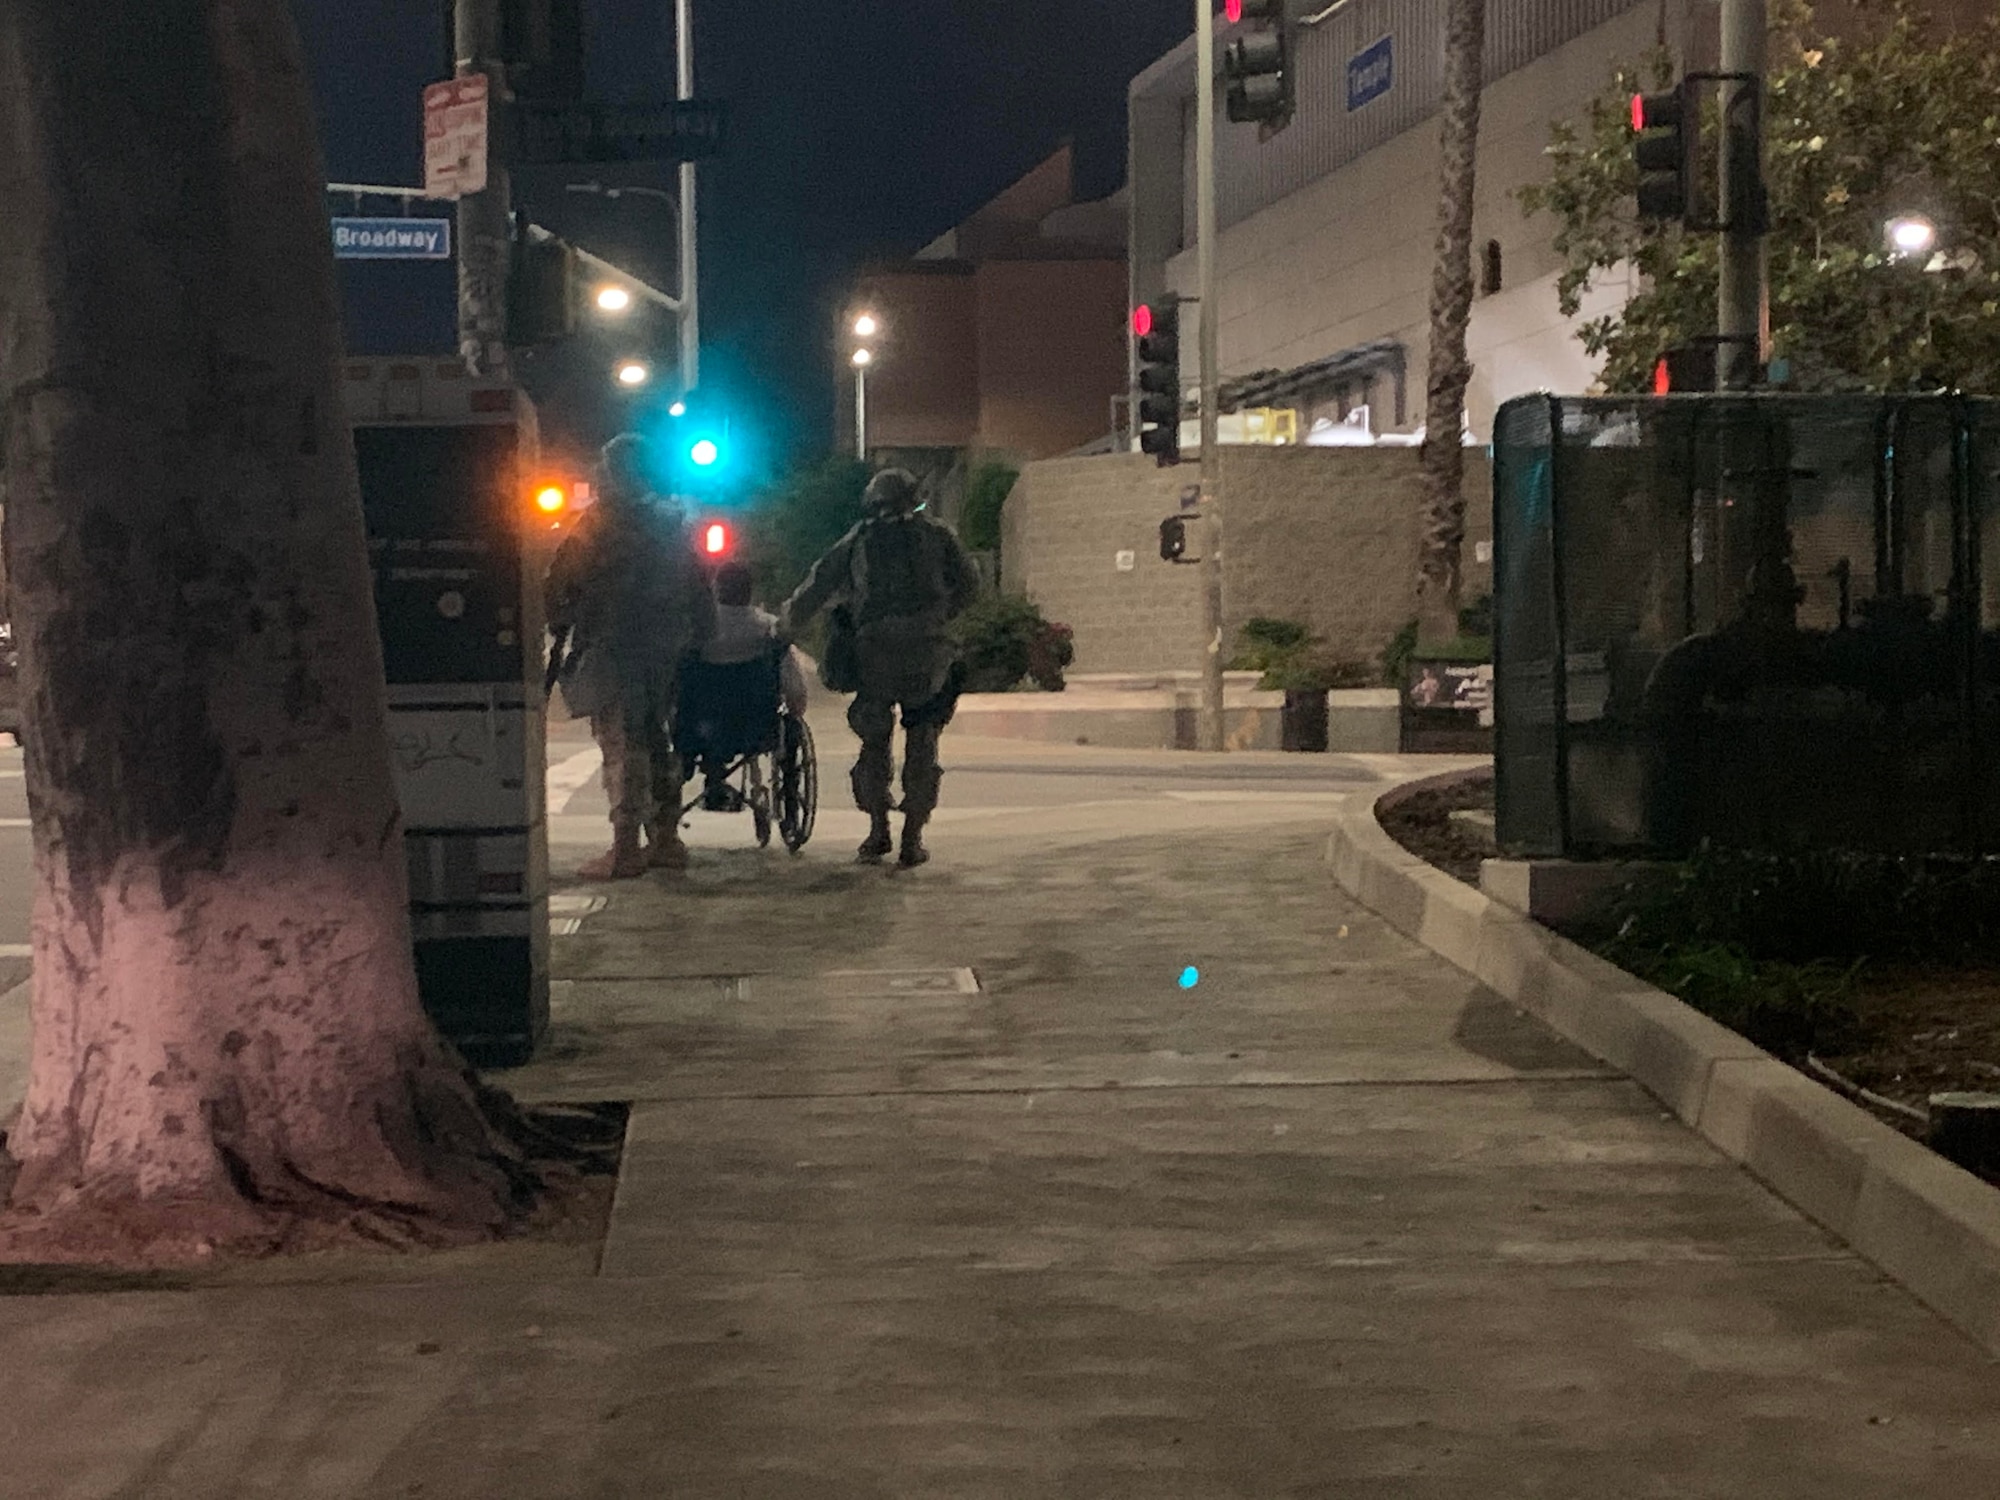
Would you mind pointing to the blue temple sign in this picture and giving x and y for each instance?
(392, 239)
(1371, 73)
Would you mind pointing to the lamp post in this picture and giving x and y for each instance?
(682, 209)
(865, 327)
(862, 359)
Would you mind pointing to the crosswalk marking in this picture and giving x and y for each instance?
(571, 775)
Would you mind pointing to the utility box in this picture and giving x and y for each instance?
(446, 460)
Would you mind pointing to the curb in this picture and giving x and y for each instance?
(1932, 1226)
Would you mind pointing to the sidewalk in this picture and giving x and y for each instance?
(940, 1184)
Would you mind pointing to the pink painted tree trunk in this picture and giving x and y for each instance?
(228, 1046)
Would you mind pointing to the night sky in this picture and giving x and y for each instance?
(856, 132)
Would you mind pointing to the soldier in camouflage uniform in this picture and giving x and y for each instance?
(902, 577)
(627, 592)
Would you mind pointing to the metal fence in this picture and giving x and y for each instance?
(1767, 620)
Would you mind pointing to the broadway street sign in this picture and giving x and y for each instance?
(604, 133)
(392, 239)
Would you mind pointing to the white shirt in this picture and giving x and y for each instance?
(743, 632)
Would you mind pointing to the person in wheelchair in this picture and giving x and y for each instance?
(745, 633)
(740, 725)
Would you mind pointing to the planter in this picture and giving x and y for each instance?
(1303, 726)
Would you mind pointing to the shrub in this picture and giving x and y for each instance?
(1003, 640)
(1787, 1009)
(1292, 659)
(1798, 906)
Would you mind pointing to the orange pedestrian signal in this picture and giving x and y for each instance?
(551, 499)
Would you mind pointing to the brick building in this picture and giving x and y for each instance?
(1005, 336)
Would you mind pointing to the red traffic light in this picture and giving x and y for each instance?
(1232, 11)
(1142, 320)
(1638, 111)
(716, 539)
(1663, 379)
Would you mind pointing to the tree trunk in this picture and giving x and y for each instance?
(1451, 311)
(228, 1047)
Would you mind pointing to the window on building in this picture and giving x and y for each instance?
(1490, 270)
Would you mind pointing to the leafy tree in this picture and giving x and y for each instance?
(790, 526)
(228, 1045)
(986, 493)
(1894, 120)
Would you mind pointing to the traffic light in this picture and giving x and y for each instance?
(1257, 66)
(717, 541)
(697, 438)
(541, 291)
(1664, 143)
(1691, 367)
(1157, 326)
(551, 499)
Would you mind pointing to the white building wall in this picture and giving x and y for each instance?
(1348, 258)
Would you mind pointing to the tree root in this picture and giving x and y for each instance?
(450, 1162)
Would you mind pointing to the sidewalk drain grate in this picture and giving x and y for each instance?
(903, 982)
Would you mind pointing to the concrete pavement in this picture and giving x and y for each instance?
(940, 1184)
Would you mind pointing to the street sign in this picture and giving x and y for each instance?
(455, 137)
(1371, 73)
(687, 130)
(392, 239)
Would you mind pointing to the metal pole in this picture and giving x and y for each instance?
(1209, 723)
(485, 220)
(1741, 305)
(690, 287)
(861, 412)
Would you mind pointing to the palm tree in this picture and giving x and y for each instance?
(1451, 311)
(228, 1045)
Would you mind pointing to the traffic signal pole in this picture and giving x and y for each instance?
(485, 219)
(1741, 305)
(690, 287)
(1209, 722)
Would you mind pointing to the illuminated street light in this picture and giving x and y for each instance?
(678, 409)
(613, 299)
(633, 373)
(1912, 235)
(866, 327)
(863, 359)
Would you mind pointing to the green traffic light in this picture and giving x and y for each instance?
(705, 453)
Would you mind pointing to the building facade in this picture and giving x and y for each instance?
(1005, 336)
(1328, 227)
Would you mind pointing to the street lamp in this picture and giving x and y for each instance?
(613, 299)
(633, 373)
(866, 326)
(1911, 235)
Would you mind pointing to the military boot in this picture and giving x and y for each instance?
(625, 860)
(875, 848)
(913, 852)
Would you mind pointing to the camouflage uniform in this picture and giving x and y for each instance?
(627, 587)
(903, 577)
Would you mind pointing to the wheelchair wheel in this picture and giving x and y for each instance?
(798, 788)
(760, 814)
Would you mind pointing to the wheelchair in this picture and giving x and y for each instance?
(733, 732)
